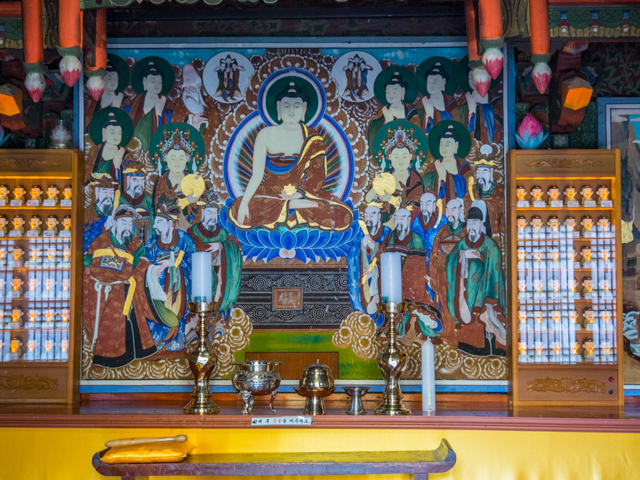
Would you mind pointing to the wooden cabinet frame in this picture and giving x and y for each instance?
(559, 382)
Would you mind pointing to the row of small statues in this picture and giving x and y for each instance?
(536, 225)
(34, 315)
(35, 224)
(570, 193)
(586, 320)
(554, 284)
(585, 349)
(36, 192)
(586, 254)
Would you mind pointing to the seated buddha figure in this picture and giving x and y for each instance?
(286, 187)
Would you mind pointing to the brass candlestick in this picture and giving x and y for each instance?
(391, 361)
(202, 358)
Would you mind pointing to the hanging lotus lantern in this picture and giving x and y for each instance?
(480, 75)
(96, 61)
(33, 45)
(541, 76)
(70, 26)
(540, 43)
(482, 79)
(492, 36)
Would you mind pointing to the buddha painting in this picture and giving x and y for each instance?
(289, 174)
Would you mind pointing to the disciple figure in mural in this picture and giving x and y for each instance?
(225, 250)
(364, 267)
(437, 105)
(178, 150)
(449, 174)
(356, 72)
(476, 290)
(229, 79)
(152, 79)
(289, 174)
(98, 216)
(116, 79)
(444, 242)
(193, 107)
(109, 153)
(133, 194)
(395, 89)
(414, 266)
(487, 189)
(427, 225)
(168, 282)
(114, 280)
(479, 115)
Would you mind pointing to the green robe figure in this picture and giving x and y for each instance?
(226, 254)
(152, 79)
(476, 290)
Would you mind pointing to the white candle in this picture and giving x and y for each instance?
(428, 377)
(201, 281)
(391, 276)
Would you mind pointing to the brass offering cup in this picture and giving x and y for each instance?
(356, 393)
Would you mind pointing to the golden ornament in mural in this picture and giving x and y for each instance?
(192, 186)
(384, 184)
(289, 190)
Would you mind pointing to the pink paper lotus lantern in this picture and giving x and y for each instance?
(530, 134)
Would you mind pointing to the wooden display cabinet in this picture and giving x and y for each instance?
(565, 286)
(40, 275)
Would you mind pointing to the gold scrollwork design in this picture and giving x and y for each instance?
(25, 382)
(566, 385)
(564, 163)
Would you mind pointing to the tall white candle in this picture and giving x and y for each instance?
(391, 276)
(428, 377)
(201, 277)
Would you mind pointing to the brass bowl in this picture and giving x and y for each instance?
(318, 392)
(316, 376)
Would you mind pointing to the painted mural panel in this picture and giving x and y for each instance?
(619, 127)
(296, 166)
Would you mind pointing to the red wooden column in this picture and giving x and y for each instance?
(70, 27)
(490, 12)
(96, 58)
(480, 75)
(540, 42)
(33, 46)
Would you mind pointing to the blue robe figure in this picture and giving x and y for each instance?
(428, 233)
(362, 290)
(170, 291)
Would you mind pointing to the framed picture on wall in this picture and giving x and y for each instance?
(619, 128)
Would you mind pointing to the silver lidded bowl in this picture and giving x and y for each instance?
(253, 378)
(316, 383)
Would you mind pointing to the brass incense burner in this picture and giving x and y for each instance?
(391, 362)
(202, 359)
(256, 377)
(316, 383)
